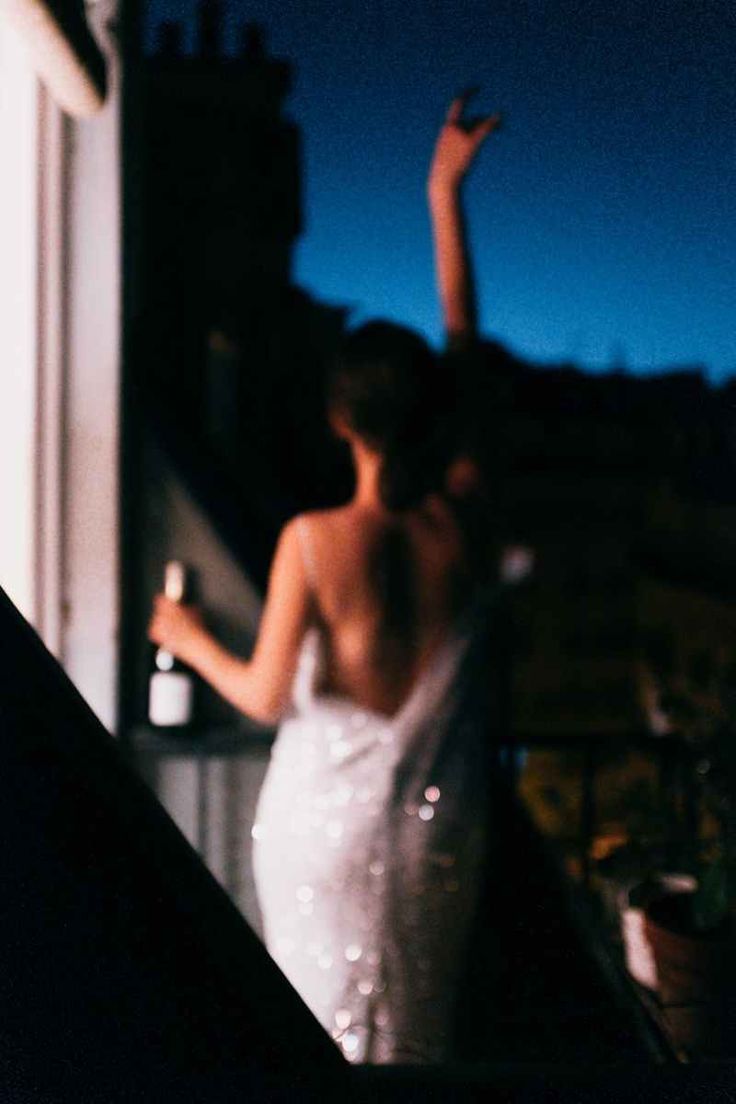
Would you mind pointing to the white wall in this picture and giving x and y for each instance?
(59, 367)
(18, 329)
(91, 464)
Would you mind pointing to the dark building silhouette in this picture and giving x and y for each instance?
(626, 490)
(221, 178)
(222, 332)
(226, 356)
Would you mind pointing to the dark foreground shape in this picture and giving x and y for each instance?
(125, 971)
(127, 975)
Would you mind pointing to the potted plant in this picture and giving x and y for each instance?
(693, 945)
(693, 935)
(633, 903)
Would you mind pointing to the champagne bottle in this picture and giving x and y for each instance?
(171, 686)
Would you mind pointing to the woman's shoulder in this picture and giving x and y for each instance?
(320, 520)
(317, 532)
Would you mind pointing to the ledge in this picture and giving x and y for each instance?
(200, 741)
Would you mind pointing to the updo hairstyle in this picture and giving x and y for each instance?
(392, 391)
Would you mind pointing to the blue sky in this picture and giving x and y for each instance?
(603, 215)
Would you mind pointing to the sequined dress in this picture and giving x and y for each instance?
(369, 842)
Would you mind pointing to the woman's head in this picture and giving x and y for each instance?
(387, 388)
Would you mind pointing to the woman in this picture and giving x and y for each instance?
(369, 829)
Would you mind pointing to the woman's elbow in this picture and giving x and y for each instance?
(261, 699)
(266, 710)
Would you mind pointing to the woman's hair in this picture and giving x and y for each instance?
(389, 387)
(391, 390)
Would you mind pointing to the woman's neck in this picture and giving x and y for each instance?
(367, 464)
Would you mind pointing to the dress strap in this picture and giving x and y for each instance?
(307, 550)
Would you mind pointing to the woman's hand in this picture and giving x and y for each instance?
(458, 143)
(456, 148)
(177, 628)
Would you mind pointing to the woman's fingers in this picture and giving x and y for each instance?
(460, 102)
(458, 105)
(157, 623)
(481, 128)
(458, 142)
(154, 630)
(455, 110)
(171, 623)
(476, 129)
(491, 122)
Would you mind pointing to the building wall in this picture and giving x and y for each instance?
(59, 317)
(211, 799)
(172, 527)
(18, 306)
(92, 415)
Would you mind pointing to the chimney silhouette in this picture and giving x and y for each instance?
(169, 40)
(210, 28)
(252, 48)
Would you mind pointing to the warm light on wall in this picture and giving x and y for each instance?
(18, 318)
(61, 50)
(59, 365)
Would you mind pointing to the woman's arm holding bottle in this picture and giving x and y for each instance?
(456, 148)
(259, 686)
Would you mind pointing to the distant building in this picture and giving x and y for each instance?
(215, 209)
(220, 174)
(623, 487)
(626, 490)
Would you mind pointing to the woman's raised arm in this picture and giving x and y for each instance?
(457, 145)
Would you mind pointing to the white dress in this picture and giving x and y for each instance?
(369, 843)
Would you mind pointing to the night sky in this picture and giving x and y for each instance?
(603, 215)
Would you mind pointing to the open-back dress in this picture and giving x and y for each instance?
(369, 843)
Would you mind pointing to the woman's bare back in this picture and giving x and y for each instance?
(342, 549)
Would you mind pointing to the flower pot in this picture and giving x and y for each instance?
(695, 976)
(632, 902)
(624, 867)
